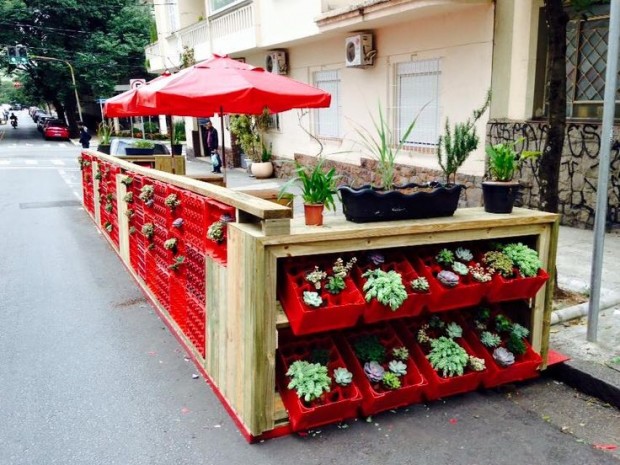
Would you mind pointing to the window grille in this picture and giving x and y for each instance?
(327, 120)
(417, 96)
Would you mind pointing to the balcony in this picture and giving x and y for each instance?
(234, 31)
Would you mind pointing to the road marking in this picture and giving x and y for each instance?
(31, 162)
(58, 162)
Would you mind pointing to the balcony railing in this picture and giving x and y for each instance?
(155, 56)
(234, 31)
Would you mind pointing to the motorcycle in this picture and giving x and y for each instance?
(14, 123)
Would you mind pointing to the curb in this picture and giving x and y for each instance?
(581, 310)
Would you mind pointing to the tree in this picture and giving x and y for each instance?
(103, 40)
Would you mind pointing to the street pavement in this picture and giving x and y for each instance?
(90, 374)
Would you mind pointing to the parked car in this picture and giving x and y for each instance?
(39, 113)
(119, 144)
(55, 129)
(41, 122)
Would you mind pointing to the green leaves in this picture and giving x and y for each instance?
(447, 357)
(318, 186)
(310, 380)
(385, 286)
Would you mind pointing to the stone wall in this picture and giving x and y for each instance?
(578, 172)
(358, 175)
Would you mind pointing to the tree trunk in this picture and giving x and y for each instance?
(549, 168)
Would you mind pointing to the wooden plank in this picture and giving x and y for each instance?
(170, 164)
(217, 323)
(549, 261)
(255, 206)
(123, 220)
(280, 415)
(276, 227)
(281, 318)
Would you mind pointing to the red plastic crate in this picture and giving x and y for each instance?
(178, 298)
(341, 403)
(196, 323)
(414, 304)
(339, 311)
(505, 289)
(375, 398)
(215, 212)
(195, 272)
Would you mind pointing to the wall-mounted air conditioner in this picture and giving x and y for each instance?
(359, 52)
(276, 62)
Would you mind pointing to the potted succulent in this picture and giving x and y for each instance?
(318, 189)
(104, 132)
(178, 137)
(141, 147)
(500, 190)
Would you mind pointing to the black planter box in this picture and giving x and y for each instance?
(367, 204)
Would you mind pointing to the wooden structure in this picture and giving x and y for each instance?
(241, 310)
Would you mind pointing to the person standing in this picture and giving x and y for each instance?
(211, 143)
(84, 136)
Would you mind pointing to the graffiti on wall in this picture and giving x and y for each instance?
(578, 171)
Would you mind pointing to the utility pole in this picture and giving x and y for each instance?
(77, 99)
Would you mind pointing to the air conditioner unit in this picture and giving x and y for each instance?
(275, 62)
(358, 51)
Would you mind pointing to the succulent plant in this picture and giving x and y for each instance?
(108, 226)
(436, 322)
(316, 276)
(341, 269)
(498, 262)
(129, 213)
(447, 357)
(172, 201)
(335, 285)
(319, 355)
(369, 349)
(310, 380)
(132, 230)
(146, 192)
(376, 258)
(454, 330)
(490, 339)
(503, 357)
(476, 364)
(178, 223)
(215, 232)
(422, 335)
(178, 261)
(342, 376)
(503, 324)
(109, 197)
(109, 207)
(525, 258)
(98, 175)
(374, 371)
(148, 229)
(400, 353)
(460, 268)
(170, 244)
(386, 286)
(479, 274)
(448, 278)
(519, 331)
(463, 254)
(127, 180)
(128, 197)
(445, 257)
(420, 284)
(391, 380)
(313, 299)
(397, 367)
(515, 344)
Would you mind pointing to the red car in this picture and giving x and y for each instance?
(55, 129)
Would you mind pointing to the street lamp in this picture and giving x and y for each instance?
(77, 99)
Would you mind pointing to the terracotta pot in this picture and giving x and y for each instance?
(313, 213)
(262, 170)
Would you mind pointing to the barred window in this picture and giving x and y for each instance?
(327, 120)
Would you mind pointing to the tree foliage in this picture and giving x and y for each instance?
(103, 40)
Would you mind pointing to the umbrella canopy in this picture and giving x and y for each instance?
(223, 85)
(124, 105)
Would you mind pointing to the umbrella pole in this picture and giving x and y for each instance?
(223, 145)
(169, 124)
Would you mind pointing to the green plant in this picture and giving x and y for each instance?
(128, 197)
(310, 380)
(313, 299)
(143, 144)
(374, 371)
(369, 349)
(445, 257)
(400, 353)
(319, 355)
(478, 272)
(385, 286)
(476, 364)
(503, 324)
(515, 344)
(397, 367)
(498, 262)
(109, 206)
(129, 213)
(454, 330)
(380, 146)
(342, 376)
(335, 285)
(490, 339)
(420, 284)
(150, 127)
(460, 268)
(447, 357)
(243, 127)
(178, 261)
(215, 232)
(127, 180)
(172, 201)
(318, 185)
(463, 254)
(524, 257)
(391, 380)
(456, 144)
(316, 276)
(146, 192)
(148, 229)
(108, 226)
(266, 153)
(170, 244)
(132, 230)
(178, 132)
(504, 160)
(104, 132)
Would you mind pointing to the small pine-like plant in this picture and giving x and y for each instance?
(369, 349)
(520, 331)
(172, 201)
(310, 380)
(216, 231)
(146, 192)
(335, 285)
(490, 339)
(170, 244)
(445, 257)
(391, 380)
(148, 229)
(420, 284)
(385, 286)
(316, 276)
(499, 262)
(525, 258)
(178, 261)
(447, 357)
(503, 324)
(312, 299)
(515, 344)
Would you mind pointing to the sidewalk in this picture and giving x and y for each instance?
(593, 368)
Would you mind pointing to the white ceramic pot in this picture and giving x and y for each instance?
(262, 170)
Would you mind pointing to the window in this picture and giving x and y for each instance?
(327, 120)
(173, 15)
(217, 5)
(586, 64)
(417, 96)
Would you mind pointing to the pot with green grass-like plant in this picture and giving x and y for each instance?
(104, 133)
(141, 147)
(318, 189)
(178, 137)
(500, 190)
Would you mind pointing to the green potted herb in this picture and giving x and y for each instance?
(140, 147)
(178, 137)
(104, 133)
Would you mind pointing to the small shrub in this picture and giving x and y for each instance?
(310, 380)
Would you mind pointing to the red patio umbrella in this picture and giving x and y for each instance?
(124, 105)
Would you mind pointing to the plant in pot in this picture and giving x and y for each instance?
(318, 189)
(140, 147)
(248, 131)
(500, 190)
(178, 137)
(104, 132)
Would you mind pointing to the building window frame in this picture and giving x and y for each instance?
(328, 121)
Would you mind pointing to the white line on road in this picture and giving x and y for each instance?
(58, 162)
(31, 162)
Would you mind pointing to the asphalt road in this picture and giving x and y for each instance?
(90, 375)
